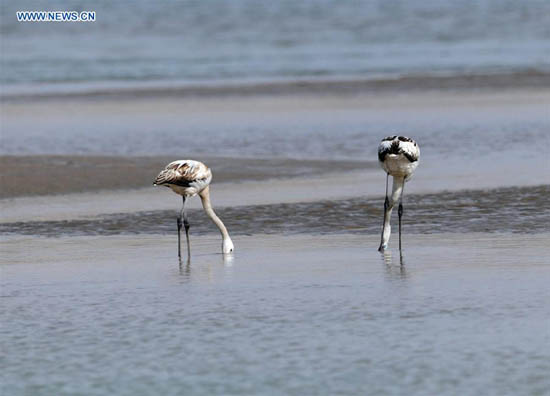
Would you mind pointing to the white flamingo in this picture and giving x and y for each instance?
(189, 178)
(398, 156)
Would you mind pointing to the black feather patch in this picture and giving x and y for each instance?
(181, 183)
(411, 158)
(395, 148)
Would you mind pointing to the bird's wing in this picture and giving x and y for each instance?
(389, 138)
(384, 149)
(410, 150)
(182, 173)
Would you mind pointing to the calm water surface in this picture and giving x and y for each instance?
(221, 40)
(466, 314)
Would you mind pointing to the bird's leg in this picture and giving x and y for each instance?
(400, 213)
(386, 207)
(179, 236)
(183, 219)
(187, 226)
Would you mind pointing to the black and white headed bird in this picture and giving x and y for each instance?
(398, 156)
(189, 178)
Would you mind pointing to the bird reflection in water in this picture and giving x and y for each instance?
(185, 266)
(208, 267)
(392, 268)
(228, 260)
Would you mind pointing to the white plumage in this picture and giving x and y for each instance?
(398, 156)
(189, 178)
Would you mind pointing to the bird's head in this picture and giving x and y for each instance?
(227, 246)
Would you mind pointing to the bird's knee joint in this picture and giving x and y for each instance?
(186, 224)
(400, 210)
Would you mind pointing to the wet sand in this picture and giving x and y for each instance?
(46, 187)
(346, 184)
(302, 314)
(510, 209)
(26, 175)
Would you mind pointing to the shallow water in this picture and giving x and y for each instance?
(466, 314)
(513, 209)
(452, 130)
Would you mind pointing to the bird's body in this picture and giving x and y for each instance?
(189, 178)
(185, 177)
(398, 156)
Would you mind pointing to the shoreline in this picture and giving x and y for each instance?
(522, 210)
(366, 184)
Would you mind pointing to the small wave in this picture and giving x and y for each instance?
(529, 78)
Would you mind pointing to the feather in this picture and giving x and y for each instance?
(183, 173)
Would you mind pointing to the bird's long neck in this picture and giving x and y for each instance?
(397, 190)
(205, 198)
